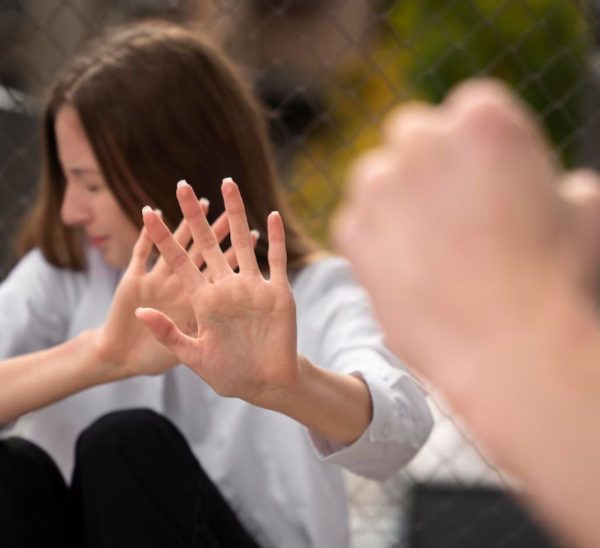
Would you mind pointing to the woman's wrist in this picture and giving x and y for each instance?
(103, 361)
(286, 396)
(335, 406)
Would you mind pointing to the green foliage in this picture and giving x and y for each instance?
(537, 46)
(422, 50)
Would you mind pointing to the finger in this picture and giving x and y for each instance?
(415, 133)
(167, 333)
(230, 253)
(230, 256)
(204, 238)
(487, 90)
(491, 106)
(174, 254)
(581, 187)
(182, 236)
(241, 240)
(220, 229)
(490, 134)
(403, 120)
(366, 173)
(363, 188)
(141, 251)
(277, 253)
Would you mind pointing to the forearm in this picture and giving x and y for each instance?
(334, 406)
(34, 380)
(534, 406)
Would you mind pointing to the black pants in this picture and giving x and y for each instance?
(136, 484)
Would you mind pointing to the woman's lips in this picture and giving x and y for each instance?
(98, 241)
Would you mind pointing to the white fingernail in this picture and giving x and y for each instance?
(204, 202)
(255, 233)
(146, 209)
(158, 212)
(182, 183)
(227, 180)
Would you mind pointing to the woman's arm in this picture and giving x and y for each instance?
(115, 350)
(37, 379)
(337, 407)
(118, 349)
(245, 345)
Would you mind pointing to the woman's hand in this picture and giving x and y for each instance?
(122, 343)
(245, 342)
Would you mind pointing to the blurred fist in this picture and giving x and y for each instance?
(457, 228)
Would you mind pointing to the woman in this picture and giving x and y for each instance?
(149, 105)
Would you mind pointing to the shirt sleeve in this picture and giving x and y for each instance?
(35, 300)
(337, 331)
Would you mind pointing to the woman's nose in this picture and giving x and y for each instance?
(74, 210)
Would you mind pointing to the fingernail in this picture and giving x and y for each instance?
(158, 212)
(227, 180)
(274, 212)
(255, 233)
(182, 183)
(146, 209)
(204, 202)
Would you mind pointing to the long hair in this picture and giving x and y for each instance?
(158, 104)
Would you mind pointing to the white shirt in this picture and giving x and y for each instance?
(287, 491)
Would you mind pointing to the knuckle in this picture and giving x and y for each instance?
(205, 240)
(178, 260)
(408, 119)
(489, 89)
(489, 120)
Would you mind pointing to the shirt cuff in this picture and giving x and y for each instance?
(400, 425)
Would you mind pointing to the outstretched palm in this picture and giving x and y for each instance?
(121, 340)
(245, 345)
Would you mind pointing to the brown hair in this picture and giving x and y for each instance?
(159, 104)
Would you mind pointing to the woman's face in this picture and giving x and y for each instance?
(88, 202)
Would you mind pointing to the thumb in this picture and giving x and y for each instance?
(167, 333)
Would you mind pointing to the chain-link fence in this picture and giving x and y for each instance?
(328, 71)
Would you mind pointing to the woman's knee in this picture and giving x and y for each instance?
(124, 431)
(35, 506)
(23, 461)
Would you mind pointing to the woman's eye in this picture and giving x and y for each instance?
(94, 188)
